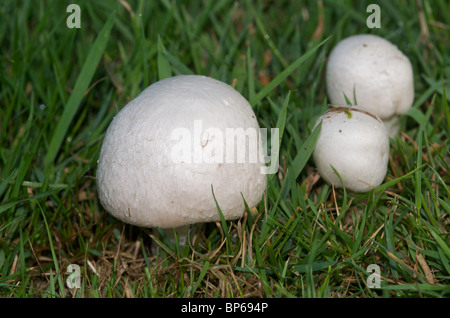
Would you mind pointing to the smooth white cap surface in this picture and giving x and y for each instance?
(356, 144)
(377, 70)
(140, 182)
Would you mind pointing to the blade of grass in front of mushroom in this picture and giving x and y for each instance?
(347, 101)
(354, 96)
(81, 85)
(159, 238)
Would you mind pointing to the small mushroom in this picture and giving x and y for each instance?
(161, 158)
(355, 143)
(376, 72)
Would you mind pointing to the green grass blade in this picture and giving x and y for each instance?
(200, 278)
(295, 169)
(301, 158)
(282, 76)
(144, 54)
(446, 108)
(55, 259)
(81, 85)
(164, 70)
(442, 244)
(223, 222)
(250, 79)
(281, 121)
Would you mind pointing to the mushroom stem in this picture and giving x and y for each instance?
(392, 125)
(181, 232)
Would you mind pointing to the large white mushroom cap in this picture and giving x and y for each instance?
(379, 73)
(355, 143)
(159, 160)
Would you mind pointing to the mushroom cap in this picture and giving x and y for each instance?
(377, 70)
(356, 144)
(160, 160)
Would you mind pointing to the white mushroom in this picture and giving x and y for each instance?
(165, 153)
(355, 143)
(379, 74)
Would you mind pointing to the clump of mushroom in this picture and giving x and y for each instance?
(353, 146)
(161, 163)
(374, 71)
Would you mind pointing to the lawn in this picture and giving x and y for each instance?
(60, 87)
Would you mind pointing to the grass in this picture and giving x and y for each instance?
(60, 88)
